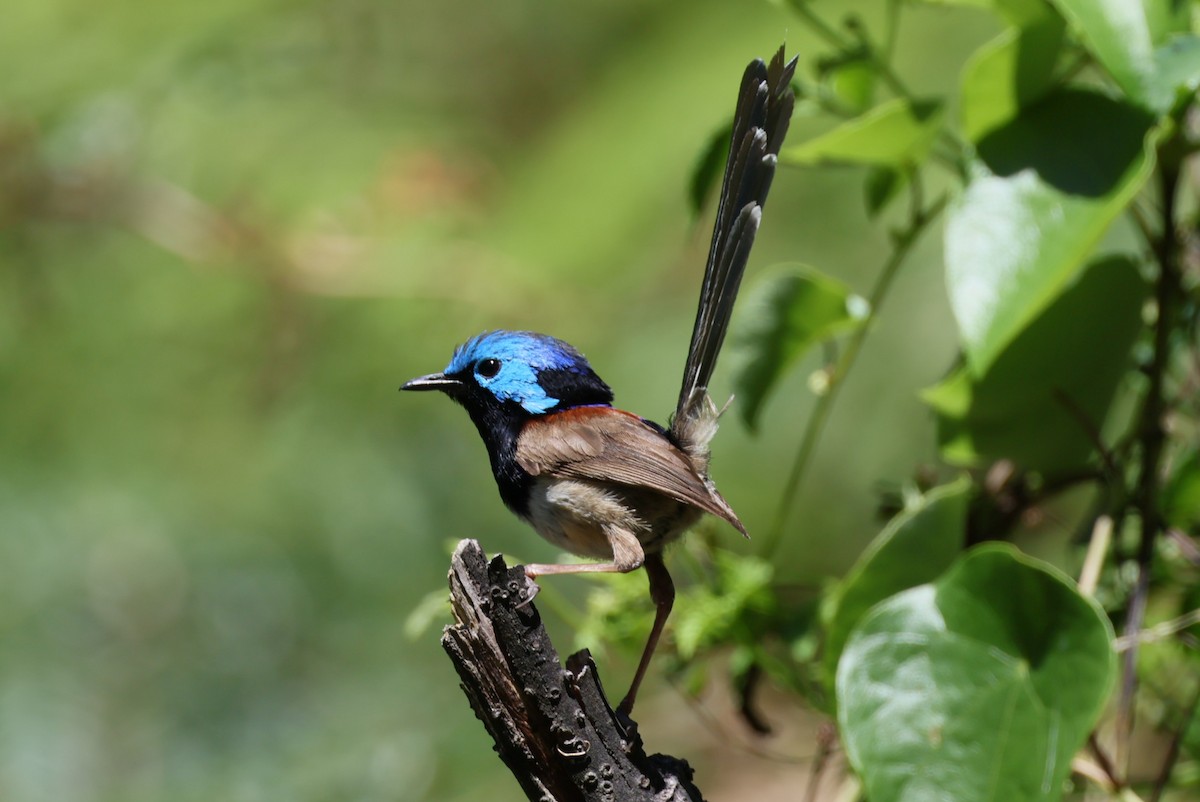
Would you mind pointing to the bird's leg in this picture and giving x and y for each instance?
(627, 556)
(534, 570)
(662, 592)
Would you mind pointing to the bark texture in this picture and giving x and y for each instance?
(552, 726)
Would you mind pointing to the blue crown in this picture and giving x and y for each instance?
(523, 357)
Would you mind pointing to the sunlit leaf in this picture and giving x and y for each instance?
(1012, 71)
(1122, 36)
(1167, 17)
(914, 548)
(708, 168)
(1048, 189)
(785, 314)
(980, 686)
(433, 607)
(1177, 74)
(893, 133)
(1041, 400)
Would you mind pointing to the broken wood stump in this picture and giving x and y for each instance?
(552, 726)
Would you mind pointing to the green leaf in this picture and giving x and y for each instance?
(1012, 71)
(854, 83)
(881, 185)
(1122, 35)
(851, 78)
(433, 606)
(618, 613)
(1166, 17)
(978, 687)
(711, 615)
(892, 134)
(914, 548)
(1014, 12)
(1048, 187)
(789, 311)
(1181, 496)
(707, 171)
(1177, 73)
(1037, 401)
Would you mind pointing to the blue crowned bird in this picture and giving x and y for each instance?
(594, 480)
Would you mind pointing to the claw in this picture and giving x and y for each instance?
(531, 590)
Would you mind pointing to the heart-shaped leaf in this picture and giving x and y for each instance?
(914, 548)
(980, 686)
(1048, 188)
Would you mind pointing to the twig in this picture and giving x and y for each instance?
(746, 687)
(1158, 632)
(879, 62)
(1104, 762)
(1089, 428)
(1168, 766)
(1186, 545)
(1097, 550)
(826, 739)
(892, 32)
(1092, 771)
(726, 735)
(819, 26)
(919, 219)
(1153, 440)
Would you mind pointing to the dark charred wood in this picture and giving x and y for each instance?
(552, 726)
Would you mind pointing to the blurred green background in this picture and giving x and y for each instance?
(229, 230)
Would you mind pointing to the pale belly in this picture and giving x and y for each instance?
(582, 517)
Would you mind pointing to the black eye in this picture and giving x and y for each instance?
(487, 368)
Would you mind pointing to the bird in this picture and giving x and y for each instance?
(595, 480)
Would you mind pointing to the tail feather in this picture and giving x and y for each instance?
(764, 109)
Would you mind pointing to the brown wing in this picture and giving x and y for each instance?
(606, 444)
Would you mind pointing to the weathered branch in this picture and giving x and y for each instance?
(553, 727)
(1152, 434)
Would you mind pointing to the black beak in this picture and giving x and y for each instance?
(434, 381)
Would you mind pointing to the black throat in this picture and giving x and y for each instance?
(499, 426)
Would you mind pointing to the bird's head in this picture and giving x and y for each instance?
(517, 369)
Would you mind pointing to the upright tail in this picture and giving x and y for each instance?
(760, 122)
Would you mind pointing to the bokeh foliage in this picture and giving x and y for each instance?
(229, 230)
(981, 673)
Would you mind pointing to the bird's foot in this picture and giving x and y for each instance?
(529, 591)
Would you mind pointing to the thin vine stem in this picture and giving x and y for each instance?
(1152, 439)
(880, 62)
(920, 218)
(819, 26)
(891, 30)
